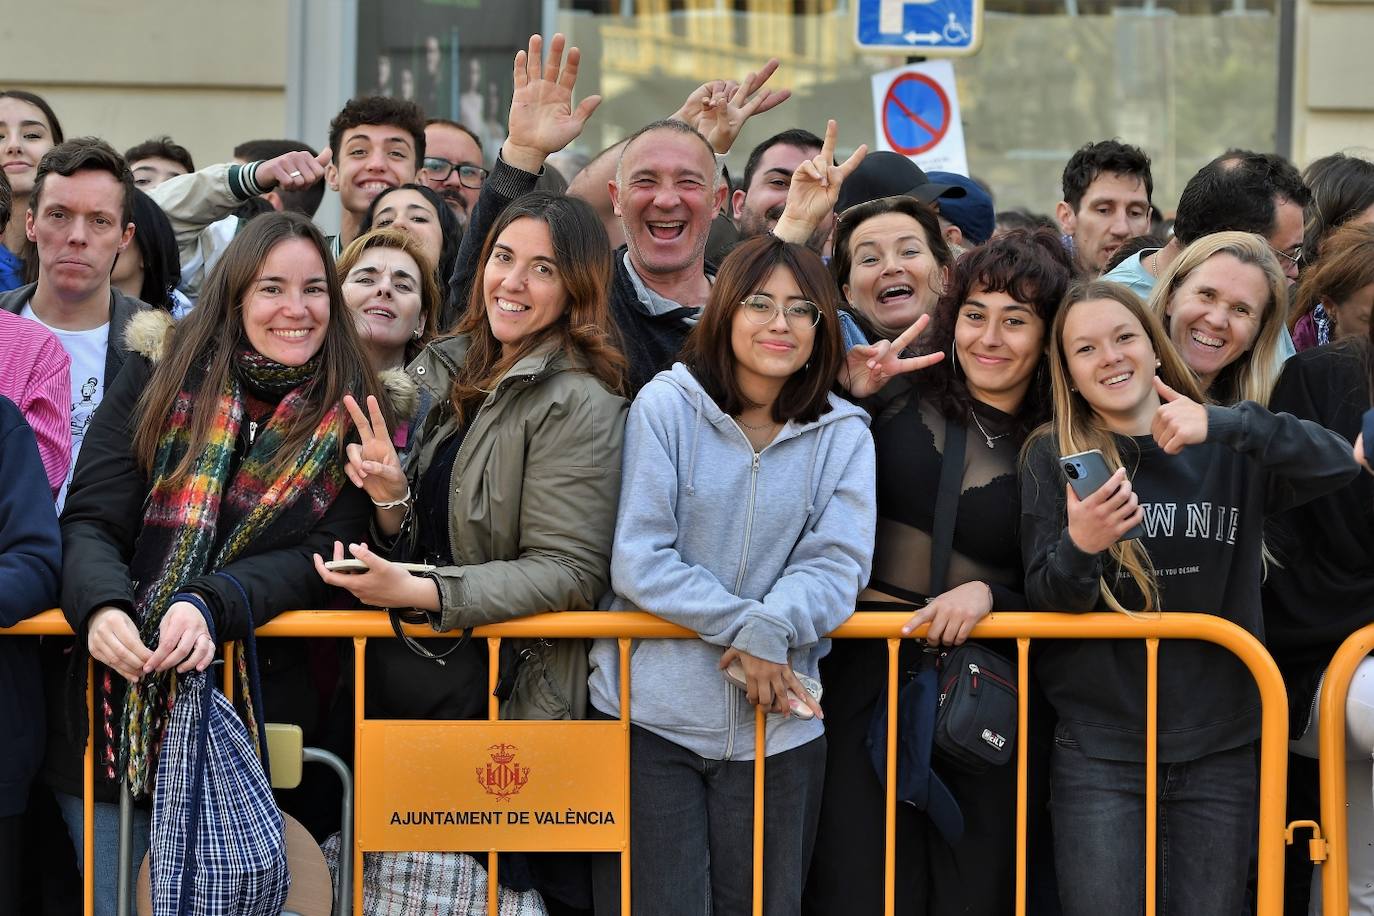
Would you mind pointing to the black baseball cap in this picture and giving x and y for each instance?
(887, 174)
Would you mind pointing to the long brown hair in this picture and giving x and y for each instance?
(710, 354)
(200, 350)
(1077, 428)
(431, 300)
(582, 255)
(1345, 267)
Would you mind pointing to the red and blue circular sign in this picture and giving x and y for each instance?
(916, 114)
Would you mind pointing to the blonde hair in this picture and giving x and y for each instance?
(431, 300)
(1076, 427)
(1250, 377)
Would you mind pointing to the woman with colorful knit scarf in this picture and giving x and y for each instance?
(214, 470)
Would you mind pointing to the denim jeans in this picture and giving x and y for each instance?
(106, 847)
(1206, 824)
(691, 851)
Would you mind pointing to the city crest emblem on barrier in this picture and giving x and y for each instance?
(503, 776)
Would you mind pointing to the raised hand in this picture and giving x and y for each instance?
(868, 367)
(373, 464)
(724, 105)
(1098, 522)
(293, 171)
(814, 189)
(1180, 421)
(542, 119)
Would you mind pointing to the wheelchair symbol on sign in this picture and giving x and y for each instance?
(954, 31)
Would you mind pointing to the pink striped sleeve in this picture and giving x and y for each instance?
(48, 410)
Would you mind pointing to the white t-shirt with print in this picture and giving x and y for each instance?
(87, 350)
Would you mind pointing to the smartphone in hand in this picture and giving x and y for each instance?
(1087, 472)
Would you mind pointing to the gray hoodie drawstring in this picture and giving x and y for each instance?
(692, 450)
(811, 482)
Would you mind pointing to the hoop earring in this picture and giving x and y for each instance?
(954, 361)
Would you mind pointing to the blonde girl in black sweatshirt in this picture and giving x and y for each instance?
(1199, 480)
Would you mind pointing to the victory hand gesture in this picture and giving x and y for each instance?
(724, 106)
(1179, 421)
(542, 119)
(373, 464)
(868, 367)
(814, 189)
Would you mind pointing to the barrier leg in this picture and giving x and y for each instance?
(88, 797)
(359, 667)
(760, 752)
(493, 713)
(1151, 770)
(1023, 730)
(624, 646)
(890, 802)
(126, 829)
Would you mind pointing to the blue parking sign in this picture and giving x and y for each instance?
(931, 28)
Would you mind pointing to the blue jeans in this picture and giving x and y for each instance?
(106, 847)
(1206, 828)
(691, 849)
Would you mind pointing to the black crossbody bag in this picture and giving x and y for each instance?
(976, 715)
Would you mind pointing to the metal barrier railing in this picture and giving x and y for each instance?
(1331, 845)
(1023, 627)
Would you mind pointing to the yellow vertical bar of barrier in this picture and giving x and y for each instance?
(493, 713)
(359, 667)
(890, 801)
(88, 801)
(760, 752)
(624, 645)
(1022, 731)
(1151, 768)
(229, 671)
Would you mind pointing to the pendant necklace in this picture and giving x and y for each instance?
(990, 439)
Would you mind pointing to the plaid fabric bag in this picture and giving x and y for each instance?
(425, 883)
(218, 840)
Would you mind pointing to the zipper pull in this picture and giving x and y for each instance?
(973, 669)
(756, 461)
(252, 431)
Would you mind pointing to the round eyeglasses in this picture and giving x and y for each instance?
(798, 313)
(469, 176)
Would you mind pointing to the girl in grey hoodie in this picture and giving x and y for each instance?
(747, 514)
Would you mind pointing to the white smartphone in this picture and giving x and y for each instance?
(1087, 472)
(357, 566)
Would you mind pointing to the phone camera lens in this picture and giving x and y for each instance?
(1072, 471)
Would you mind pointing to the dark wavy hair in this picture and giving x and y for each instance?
(448, 252)
(1031, 267)
(378, 109)
(582, 257)
(1110, 156)
(157, 245)
(1342, 188)
(37, 101)
(201, 349)
(710, 354)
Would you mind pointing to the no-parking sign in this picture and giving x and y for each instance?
(916, 109)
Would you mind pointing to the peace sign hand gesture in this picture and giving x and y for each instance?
(726, 105)
(373, 464)
(814, 189)
(868, 367)
(542, 119)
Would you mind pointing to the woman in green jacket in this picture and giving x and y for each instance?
(512, 486)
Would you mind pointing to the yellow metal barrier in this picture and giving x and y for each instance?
(1331, 739)
(1023, 627)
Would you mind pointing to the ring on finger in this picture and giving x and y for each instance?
(295, 174)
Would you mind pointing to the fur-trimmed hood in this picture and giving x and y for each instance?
(149, 332)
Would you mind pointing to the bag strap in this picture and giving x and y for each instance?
(254, 679)
(946, 505)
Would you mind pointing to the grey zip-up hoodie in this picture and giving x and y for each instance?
(764, 553)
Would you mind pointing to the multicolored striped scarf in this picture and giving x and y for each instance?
(207, 519)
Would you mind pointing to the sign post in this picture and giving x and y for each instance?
(916, 109)
(930, 28)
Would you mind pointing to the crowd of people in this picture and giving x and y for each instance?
(747, 408)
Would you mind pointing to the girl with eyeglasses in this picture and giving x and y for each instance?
(746, 515)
